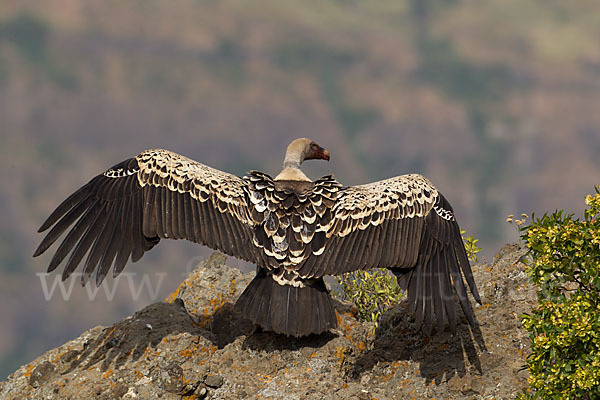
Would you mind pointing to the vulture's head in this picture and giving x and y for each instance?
(305, 149)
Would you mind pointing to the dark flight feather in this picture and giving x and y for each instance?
(296, 231)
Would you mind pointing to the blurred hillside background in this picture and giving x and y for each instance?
(497, 102)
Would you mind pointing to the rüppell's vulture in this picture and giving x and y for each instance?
(295, 230)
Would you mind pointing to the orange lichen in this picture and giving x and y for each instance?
(171, 298)
(195, 350)
(340, 353)
(215, 304)
(58, 356)
(186, 353)
(394, 366)
(149, 353)
(29, 370)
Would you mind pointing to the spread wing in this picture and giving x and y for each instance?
(125, 211)
(375, 225)
(406, 225)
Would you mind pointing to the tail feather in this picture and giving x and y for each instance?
(286, 309)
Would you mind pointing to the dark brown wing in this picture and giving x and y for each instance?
(125, 211)
(290, 218)
(374, 225)
(406, 225)
(438, 275)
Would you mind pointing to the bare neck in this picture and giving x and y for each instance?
(293, 159)
(294, 156)
(291, 173)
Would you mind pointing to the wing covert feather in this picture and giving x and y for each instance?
(375, 225)
(124, 212)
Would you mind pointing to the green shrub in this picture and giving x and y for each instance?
(470, 246)
(565, 326)
(372, 292)
(376, 290)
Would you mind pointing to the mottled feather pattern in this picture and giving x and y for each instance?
(375, 225)
(291, 223)
(445, 214)
(120, 172)
(163, 168)
(290, 219)
(306, 228)
(125, 211)
(405, 196)
(295, 230)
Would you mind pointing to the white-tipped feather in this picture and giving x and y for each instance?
(294, 229)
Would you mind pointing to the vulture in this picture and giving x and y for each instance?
(295, 230)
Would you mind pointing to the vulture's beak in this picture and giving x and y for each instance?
(325, 154)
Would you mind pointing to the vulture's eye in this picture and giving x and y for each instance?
(314, 146)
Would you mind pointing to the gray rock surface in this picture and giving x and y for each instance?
(195, 346)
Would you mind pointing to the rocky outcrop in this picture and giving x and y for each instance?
(194, 346)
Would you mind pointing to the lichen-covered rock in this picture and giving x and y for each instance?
(195, 346)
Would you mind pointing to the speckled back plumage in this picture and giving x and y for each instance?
(295, 230)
